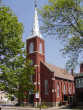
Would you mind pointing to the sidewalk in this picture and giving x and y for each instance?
(26, 108)
(31, 108)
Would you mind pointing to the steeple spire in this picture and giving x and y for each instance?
(35, 29)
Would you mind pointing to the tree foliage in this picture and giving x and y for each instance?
(14, 68)
(64, 19)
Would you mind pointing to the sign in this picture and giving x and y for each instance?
(37, 95)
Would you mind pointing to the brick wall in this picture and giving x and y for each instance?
(46, 74)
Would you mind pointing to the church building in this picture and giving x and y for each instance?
(53, 85)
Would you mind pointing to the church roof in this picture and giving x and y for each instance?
(35, 30)
(59, 72)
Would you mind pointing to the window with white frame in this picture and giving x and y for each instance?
(58, 90)
(31, 47)
(46, 87)
(81, 82)
(40, 49)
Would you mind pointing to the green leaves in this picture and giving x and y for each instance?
(15, 70)
(63, 18)
(64, 3)
(10, 32)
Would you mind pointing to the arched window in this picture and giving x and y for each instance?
(40, 48)
(64, 89)
(58, 90)
(31, 47)
(73, 89)
(46, 87)
(70, 89)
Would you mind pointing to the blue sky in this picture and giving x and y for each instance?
(24, 10)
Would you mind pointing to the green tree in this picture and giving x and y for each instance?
(16, 80)
(14, 68)
(26, 81)
(64, 19)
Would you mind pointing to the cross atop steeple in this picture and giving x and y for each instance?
(35, 29)
(35, 2)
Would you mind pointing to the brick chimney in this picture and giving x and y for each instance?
(81, 68)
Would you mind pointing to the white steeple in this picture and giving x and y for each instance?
(35, 29)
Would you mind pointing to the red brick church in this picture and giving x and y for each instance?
(53, 85)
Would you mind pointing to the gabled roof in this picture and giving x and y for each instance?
(59, 72)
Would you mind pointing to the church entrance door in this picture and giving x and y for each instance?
(31, 99)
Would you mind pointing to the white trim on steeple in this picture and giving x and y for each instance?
(35, 30)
